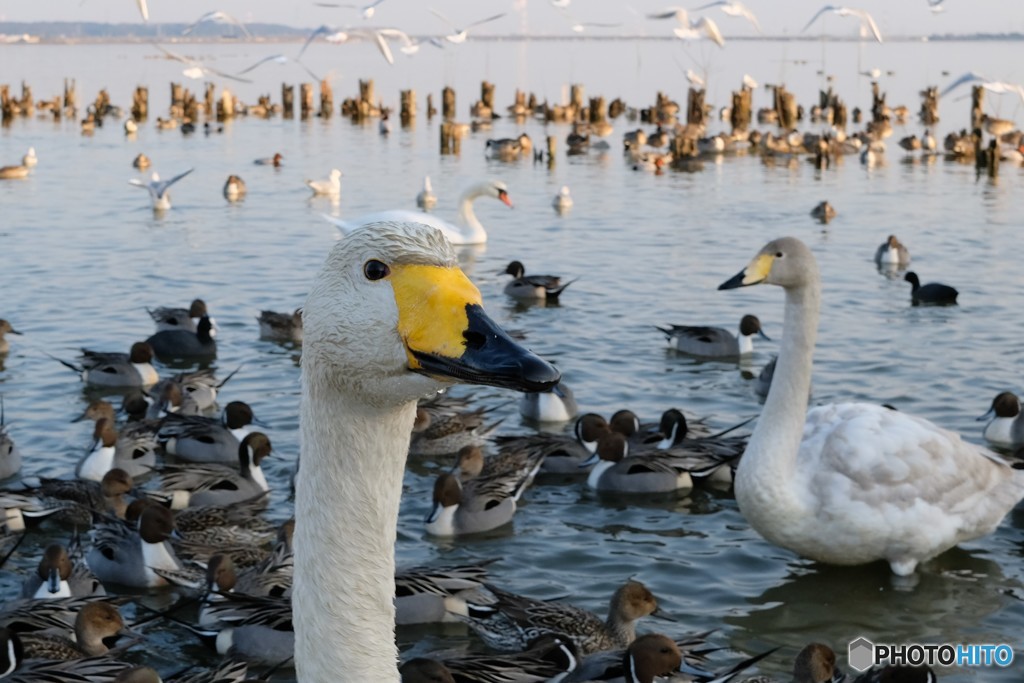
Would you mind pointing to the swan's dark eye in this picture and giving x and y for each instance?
(375, 270)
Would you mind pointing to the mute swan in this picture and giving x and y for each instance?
(388, 320)
(852, 483)
(466, 230)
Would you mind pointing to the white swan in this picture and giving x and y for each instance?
(466, 229)
(389, 319)
(850, 483)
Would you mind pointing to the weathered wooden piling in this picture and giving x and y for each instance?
(450, 141)
(71, 95)
(878, 107)
(576, 97)
(407, 112)
(288, 100)
(977, 101)
(596, 112)
(448, 103)
(552, 146)
(431, 109)
(140, 103)
(210, 100)
(695, 113)
(305, 100)
(740, 115)
(6, 104)
(226, 106)
(326, 99)
(484, 109)
(190, 107)
(858, 115)
(839, 114)
(929, 113)
(785, 108)
(177, 100)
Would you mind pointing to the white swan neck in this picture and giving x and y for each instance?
(471, 229)
(346, 509)
(765, 474)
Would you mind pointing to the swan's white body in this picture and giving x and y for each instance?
(852, 483)
(362, 335)
(465, 231)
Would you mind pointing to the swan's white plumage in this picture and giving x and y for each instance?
(852, 483)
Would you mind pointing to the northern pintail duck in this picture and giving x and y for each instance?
(141, 162)
(285, 327)
(516, 464)
(158, 189)
(198, 485)
(482, 504)
(330, 187)
(588, 429)
(714, 342)
(169, 344)
(30, 159)
(421, 592)
(891, 252)
(933, 293)
(634, 139)
(56, 576)
(234, 188)
(763, 381)
(1006, 427)
(10, 456)
(426, 199)
(533, 287)
(509, 148)
(13, 172)
(195, 438)
(563, 200)
(274, 161)
(548, 657)
(562, 454)
(134, 448)
(253, 629)
(897, 674)
(823, 212)
(101, 669)
(173, 318)
(437, 433)
(197, 393)
(81, 499)
(118, 370)
(815, 663)
(512, 621)
(6, 328)
(613, 469)
(229, 671)
(128, 556)
(100, 458)
(97, 627)
(649, 658)
(557, 405)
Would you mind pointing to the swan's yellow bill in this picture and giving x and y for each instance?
(447, 334)
(755, 273)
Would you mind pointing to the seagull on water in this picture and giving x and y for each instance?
(866, 22)
(158, 189)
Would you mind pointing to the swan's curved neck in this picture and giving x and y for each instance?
(346, 511)
(765, 476)
(468, 223)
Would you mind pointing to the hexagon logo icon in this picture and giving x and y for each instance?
(862, 654)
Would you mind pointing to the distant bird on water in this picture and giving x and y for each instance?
(158, 189)
(931, 293)
(426, 199)
(867, 23)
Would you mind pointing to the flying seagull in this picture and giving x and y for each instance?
(866, 22)
(459, 35)
(690, 29)
(196, 69)
(734, 9)
(217, 17)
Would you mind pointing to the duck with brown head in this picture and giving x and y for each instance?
(389, 319)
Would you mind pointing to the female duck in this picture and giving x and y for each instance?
(715, 342)
(896, 487)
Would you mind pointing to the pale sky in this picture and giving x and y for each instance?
(894, 17)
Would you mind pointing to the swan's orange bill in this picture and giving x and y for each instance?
(448, 335)
(755, 273)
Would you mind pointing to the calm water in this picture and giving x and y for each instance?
(82, 255)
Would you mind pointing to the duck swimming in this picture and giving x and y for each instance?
(389, 319)
(895, 487)
(715, 342)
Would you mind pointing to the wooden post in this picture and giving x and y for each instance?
(140, 103)
(177, 99)
(288, 100)
(993, 158)
(209, 100)
(785, 107)
(597, 110)
(446, 137)
(408, 111)
(487, 94)
(695, 113)
(305, 100)
(877, 103)
(448, 103)
(190, 107)
(740, 116)
(576, 96)
(977, 100)
(226, 110)
(930, 106)
(552, 148)
(431, 109)
(839, 116)
(71, 94)
(326, 99)
(616, 108)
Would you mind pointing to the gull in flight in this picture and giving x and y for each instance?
(936, 6)
(581, 26)
(378, 36)
(196, 69)
(158, 189)
(749, 82)
(366, 10)
(217, 17)
(279, 59)
(690, 29)
(143, 9)
(459, 35)
(998, 87)
(734, 9)
(866, 22)
(561, 4)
